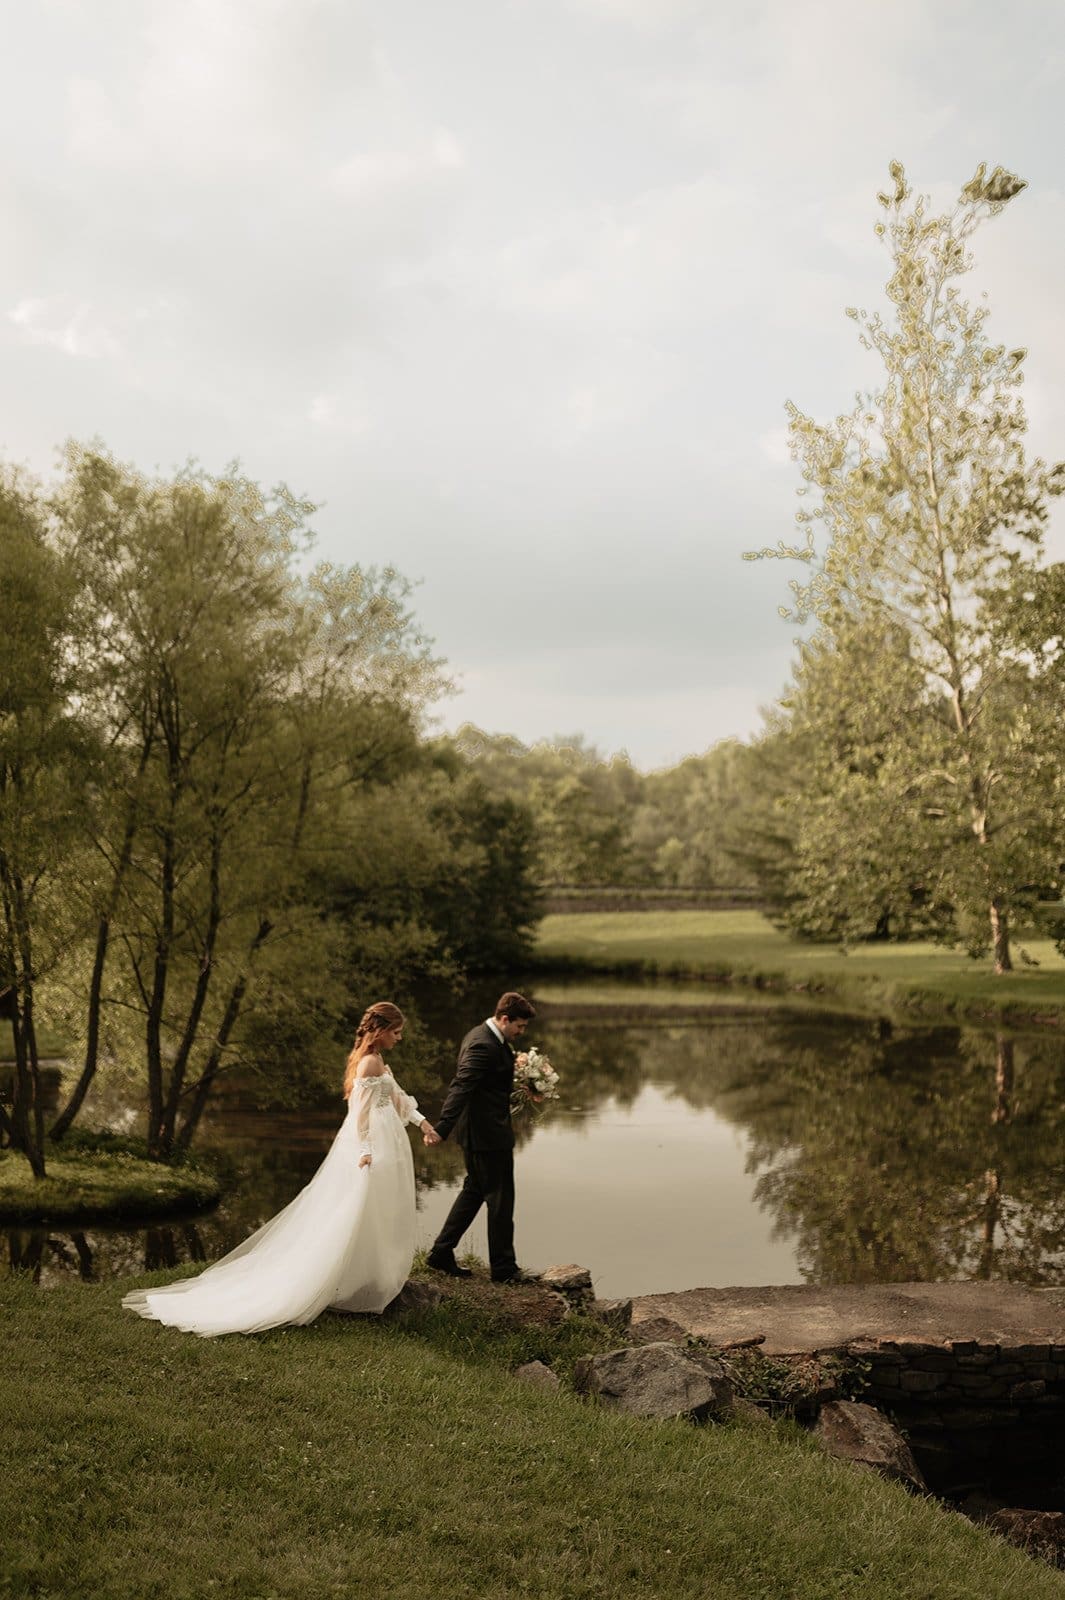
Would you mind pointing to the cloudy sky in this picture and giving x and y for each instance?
(515, 290)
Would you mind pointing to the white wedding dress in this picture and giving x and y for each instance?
(346, 1240)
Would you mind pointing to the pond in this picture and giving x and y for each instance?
(702, 1138)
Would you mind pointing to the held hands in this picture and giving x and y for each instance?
(430, 1135)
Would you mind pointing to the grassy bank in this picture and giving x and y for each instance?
(97, 1185)
(745, 947)
(402, 1460)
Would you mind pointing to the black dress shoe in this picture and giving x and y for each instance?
(448, 1264)
(517, 1275)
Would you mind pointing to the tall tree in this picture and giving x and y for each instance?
(44, 765)
(930, 511)
(238, 702)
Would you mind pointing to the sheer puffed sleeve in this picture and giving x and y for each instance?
(406, 1106)
(361, 1096)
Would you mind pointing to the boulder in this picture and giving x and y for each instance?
(572, 1281)
(861, 1434)
(656, 1380)
(1041, 1533)
(538, 1373)
(415, 1295)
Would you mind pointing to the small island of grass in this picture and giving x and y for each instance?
(100, 1185)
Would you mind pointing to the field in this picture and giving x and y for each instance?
(744, 946)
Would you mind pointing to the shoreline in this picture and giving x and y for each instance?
(825, 998)
(930, 983)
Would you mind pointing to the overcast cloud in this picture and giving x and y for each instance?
(515, 289)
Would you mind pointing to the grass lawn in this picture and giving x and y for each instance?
(91, 1186)
(745, 946)
(400, 1459)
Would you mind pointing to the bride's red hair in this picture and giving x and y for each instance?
(381, 1017)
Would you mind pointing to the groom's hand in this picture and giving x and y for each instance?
(430, 1135)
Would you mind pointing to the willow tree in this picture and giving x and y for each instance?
(928, 513)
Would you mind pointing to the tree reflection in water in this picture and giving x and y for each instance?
(32, 1250)
(882, 1153)
(897, 1156)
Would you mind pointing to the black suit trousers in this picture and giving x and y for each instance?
(489, 1182)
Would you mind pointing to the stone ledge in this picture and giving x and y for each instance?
(966, 1319)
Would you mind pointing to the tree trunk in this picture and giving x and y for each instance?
(29, 1033)
(103, 935)
(1000, 937)
(154, 1020)
(27, 1117)
(180, 1063)
(214, 1059)
(25, 1109)
(92, 1042)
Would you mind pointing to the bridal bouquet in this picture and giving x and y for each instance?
(535, 1080)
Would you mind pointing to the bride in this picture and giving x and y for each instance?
(346, 1240)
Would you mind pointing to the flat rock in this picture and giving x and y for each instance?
(536, 1372)
(864, 1435)
(656, 1380)
(800, 1318)
(568, 1280)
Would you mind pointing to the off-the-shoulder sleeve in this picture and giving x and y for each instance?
(360, 1109)
(406, 1106)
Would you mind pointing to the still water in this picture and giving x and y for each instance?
(701, 1145)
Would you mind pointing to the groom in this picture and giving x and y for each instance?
(477, 1107)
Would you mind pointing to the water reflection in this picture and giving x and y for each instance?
(707, 1149)
(921, 1156)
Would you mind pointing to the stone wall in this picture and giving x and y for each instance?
(968, 1405)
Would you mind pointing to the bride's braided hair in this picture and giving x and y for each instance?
(381, 1016)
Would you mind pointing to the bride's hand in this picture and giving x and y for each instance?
(364, 1160)
(430, 1135)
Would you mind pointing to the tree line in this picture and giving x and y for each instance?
(222, 823)
(599, 821)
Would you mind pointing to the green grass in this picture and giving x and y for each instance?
(358, 1457)
(743, 945)
(86, 1185)
(667, 994)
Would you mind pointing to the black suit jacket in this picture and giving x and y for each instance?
(477, 1106)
